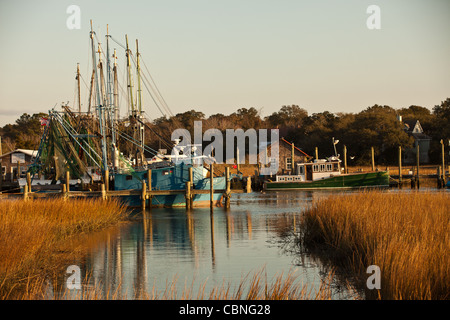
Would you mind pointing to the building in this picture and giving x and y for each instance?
(414, 129)
(15, 164)
(285, 151)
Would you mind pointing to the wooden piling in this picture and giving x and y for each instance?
(345, 160)
(439, 179)
(149, 196)
(67, 181)
(228, 188)
(188, 195)
(64, 191)
(191, 181)
(249, 184)
(373, 158)
(443, 162)
(292, 159)
(211, 186)
(417, 163)
(25, 192)
(103, 191)
(29, 181)
(399, 166)
(107, 179)
(144, 194)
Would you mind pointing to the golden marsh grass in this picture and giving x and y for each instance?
(405, 234)
(35, 236)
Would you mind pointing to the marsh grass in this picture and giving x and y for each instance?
(255, 285)
(405, 234)
(36, 238)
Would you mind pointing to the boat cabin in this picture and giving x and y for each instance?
(312, 171)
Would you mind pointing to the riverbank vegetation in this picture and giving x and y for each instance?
(405, 234)
(375, 126)
(35, 238)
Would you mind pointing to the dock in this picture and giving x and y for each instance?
(146, 193)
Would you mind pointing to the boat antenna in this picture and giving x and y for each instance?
(335, 142)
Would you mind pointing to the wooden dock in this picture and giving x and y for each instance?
(146, 193)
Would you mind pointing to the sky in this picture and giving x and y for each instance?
(217, 56)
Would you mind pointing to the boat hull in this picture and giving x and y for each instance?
(379, 179)
(172, 178)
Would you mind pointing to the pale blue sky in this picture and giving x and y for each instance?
(218, 56)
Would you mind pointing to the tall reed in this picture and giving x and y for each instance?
(35, 236)
(405, 234)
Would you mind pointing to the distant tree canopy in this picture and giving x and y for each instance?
(24, 134)
(376, 126)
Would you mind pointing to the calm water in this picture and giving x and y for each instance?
(211, 249)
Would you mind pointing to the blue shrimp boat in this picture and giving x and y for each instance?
(170, 178)
(87, 143)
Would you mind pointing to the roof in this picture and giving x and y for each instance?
(298, 149)
(28, 152)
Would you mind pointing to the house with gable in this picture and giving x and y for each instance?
(414, 129)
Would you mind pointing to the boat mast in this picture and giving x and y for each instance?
(130, 85)
(99, 104)
(111, 108)
(130, 78)
(79, 91)
(116, 112)
(116, 89)
(141, 127)
(109, 88)
(91, 92)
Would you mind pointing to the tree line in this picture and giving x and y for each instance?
(376, 126)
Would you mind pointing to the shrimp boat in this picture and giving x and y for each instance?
(98, 146)
(327, 174)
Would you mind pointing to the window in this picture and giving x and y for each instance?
(329, 167)
(322, 167)
(288, 163)
(301, 170)
(316, 168)
(129, 177)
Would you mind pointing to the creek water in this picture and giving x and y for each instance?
(202, 250)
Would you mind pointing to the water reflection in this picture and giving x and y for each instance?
(225, 245)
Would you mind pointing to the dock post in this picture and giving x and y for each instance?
(249, 184)
(25, 192)
(29, 181)
(64, 191)
(373, 158)
(317, 153)
(228, 186)
(292, 159)
(188, 195)
(443, 163)
(345, 160)
(67, 181)
(144, 194)
(149, 196)
(439, 180)
(191, 181)
(417, 163)
(107, 179)
(211, 186)
(103, 191)
(400, 167)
